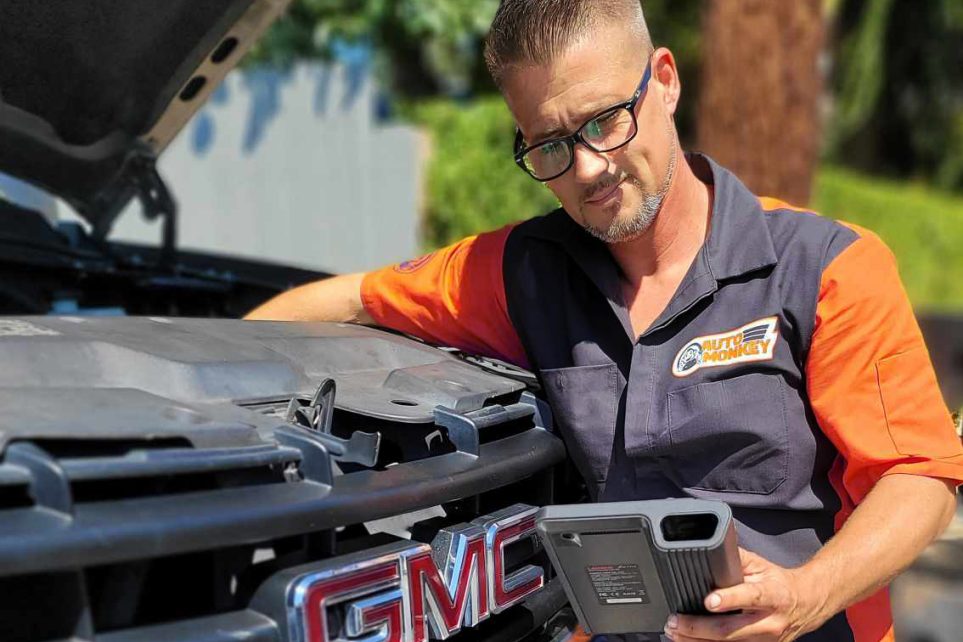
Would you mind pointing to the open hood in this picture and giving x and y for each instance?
(92, 91)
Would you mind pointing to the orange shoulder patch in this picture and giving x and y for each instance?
(769, 204)
(454, 296)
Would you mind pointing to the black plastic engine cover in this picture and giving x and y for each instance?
(77, 377)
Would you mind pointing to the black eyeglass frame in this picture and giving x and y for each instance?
(572, 139)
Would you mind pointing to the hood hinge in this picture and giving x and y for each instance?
(157, 202)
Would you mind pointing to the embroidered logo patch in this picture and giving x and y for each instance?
(412, 265)
(754, 341)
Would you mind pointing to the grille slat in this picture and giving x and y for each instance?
(14, 475)
(141, 463)
(36, 539)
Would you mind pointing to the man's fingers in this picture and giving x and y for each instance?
(724, 627)
(746, 556)
(752, 563)
(748, 595)
(678, 637)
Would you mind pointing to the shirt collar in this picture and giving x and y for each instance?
(739, 241)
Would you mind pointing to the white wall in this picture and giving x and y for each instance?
(293, 167)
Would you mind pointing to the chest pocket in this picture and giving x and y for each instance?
(584, 402)
(730, 435)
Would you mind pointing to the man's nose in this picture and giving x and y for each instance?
(589, 164)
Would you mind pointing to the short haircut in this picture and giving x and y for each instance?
(537, 31)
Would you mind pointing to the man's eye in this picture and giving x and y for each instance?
(600, 125)
(550, 150)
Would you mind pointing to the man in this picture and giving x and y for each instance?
(693, 340)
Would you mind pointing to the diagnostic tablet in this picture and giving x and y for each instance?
(627, 566)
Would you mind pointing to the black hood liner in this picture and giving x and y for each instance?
(83, 82)
(92, 67)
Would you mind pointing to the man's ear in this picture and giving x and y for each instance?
(666, 73)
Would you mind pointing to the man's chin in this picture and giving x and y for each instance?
(604, 216)
(619, 230)
(615, 223)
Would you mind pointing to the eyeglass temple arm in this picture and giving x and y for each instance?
(643, 84)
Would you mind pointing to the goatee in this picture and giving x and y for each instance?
(626, 229)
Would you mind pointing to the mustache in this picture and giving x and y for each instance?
(601, 185)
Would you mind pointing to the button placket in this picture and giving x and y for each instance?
(640, 388)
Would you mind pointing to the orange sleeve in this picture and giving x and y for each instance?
(871, 384)
(454, 297)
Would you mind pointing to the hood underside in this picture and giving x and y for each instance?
(89, 88)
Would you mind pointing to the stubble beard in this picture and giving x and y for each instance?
(623, 229)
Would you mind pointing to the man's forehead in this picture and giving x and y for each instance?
(552, 98)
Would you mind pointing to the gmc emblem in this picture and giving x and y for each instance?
(408, 592)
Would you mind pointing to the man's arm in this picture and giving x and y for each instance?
(899, 518)
(454, 296)
(335, 299)
(901, 515)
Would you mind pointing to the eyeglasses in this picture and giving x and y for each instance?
(606, 131)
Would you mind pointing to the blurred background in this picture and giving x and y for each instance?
(854, 107)
(363, 132)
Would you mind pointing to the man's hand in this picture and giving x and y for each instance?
(899, 517)
(777, 605)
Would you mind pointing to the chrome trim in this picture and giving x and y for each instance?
(450, 555)
(493, 524)
(354, 624)
(298, 589)
(460, 563)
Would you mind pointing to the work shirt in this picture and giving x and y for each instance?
(785, 376)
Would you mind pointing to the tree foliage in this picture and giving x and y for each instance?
(473, 184)
(433, 47)
(899, 88)
(425, 47)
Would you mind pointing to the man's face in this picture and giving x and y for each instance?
(614, 195)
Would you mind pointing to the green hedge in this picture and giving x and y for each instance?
(473, 185)
(923, 227)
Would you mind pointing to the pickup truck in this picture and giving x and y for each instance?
(169, 473)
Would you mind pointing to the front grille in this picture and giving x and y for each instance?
(56, 475)
(155, 540)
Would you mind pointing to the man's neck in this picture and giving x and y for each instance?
(674, 238)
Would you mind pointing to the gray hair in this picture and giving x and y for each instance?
(537, 31)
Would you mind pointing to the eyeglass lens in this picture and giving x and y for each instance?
(605, 132)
